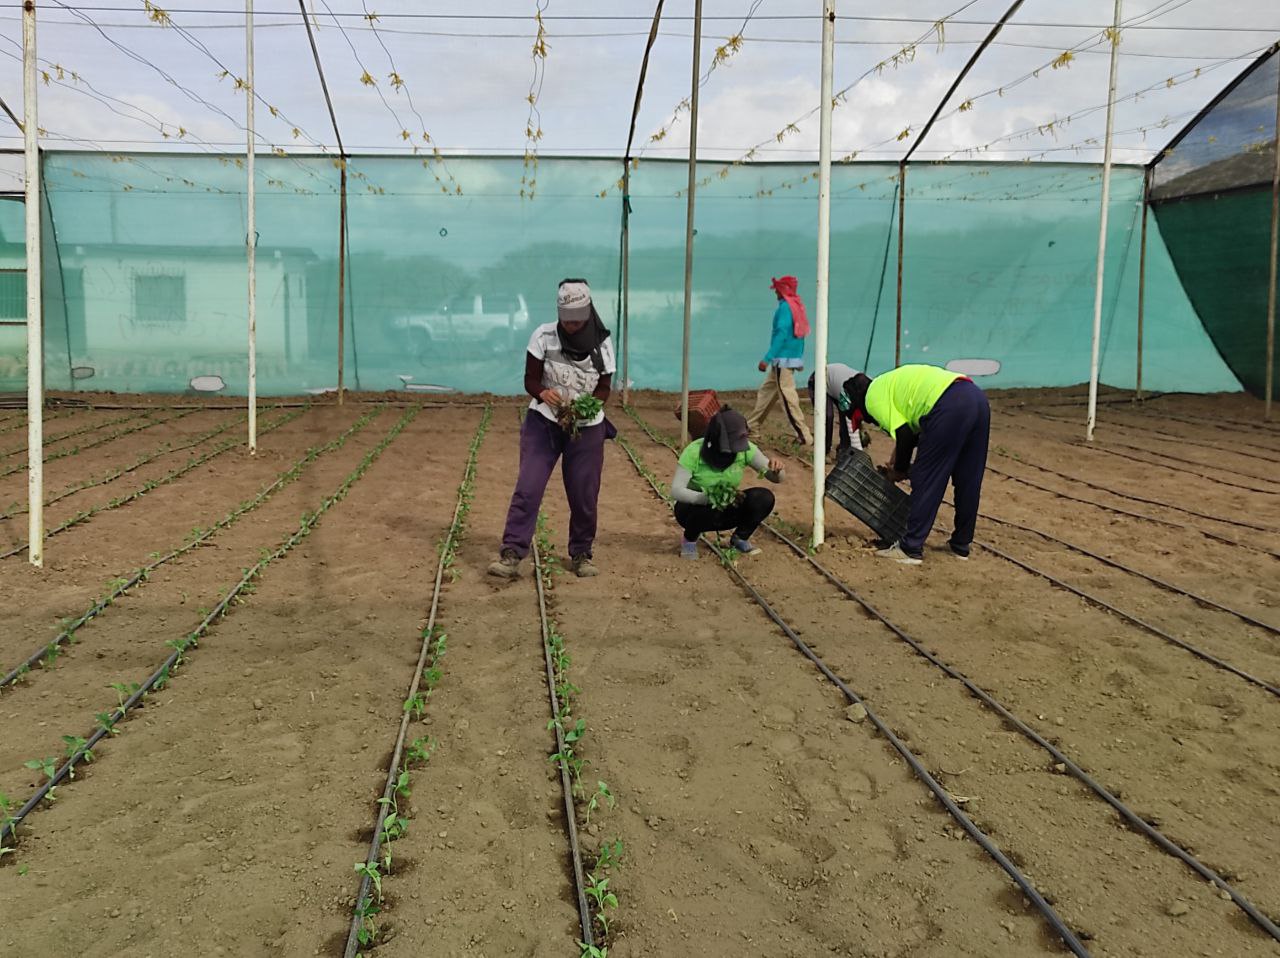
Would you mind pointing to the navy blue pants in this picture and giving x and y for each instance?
(952, 447)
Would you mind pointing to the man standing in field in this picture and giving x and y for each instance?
(944, 418)
(785, 356)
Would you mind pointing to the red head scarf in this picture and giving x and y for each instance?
(786, 286)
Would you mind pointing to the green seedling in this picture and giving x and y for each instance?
(420, 749)
(598, 892)
(602, 796)
(46, 765)
(7, 819)
(107, 722)
(575, 734)
(394, 827)
(403, 786)
(366, 911)
(417, 704)
(375, 877)
(610, 856)
(75, 744)
(593, 951)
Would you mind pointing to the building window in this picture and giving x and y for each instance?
(159, 300)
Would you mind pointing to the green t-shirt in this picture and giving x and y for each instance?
(906, 395)
(703, 478)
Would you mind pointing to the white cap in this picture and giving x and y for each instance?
(573, 302)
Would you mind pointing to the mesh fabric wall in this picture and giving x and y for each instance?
(1212, 197)
(450, 268)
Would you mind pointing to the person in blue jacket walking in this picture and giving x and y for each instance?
(785, 356)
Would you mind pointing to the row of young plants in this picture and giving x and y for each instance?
(48, 653)
(110, 437)
(570, 730)
(18, 508)
(19, 420)
(392, 822)
(80, 750)
(80, 431)
(84, 515)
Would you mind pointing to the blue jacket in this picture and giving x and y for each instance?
(785, 348)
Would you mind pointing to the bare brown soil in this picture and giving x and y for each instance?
(757, 818)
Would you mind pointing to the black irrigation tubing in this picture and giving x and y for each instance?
(454, 535)
(1133, 498)
(1134, 820)
(570, 813)
(50, 440)
(1133, 515)
(1197, 472)
(160, 677)
(74, 450)
(1108, 607)
(1157, 434)
(21, 421)
(1060, 928)
(164, 449)
(124, 584)
(1133, 620)
(87, 514)
(1154, 580)
(1232, 425)
(1131, 817)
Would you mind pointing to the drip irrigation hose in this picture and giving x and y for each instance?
(1227, 424)
(1132, 818)
(1217, 536)
(1151, 502)
(67, 453)
(160, 676)
(428, 634)
(1174, 438)
(71, 434)
(1135, 821)
(86, 515)
(165, 449)
(570, 815)
(123, 585)
(1154, 580)
(21, 421)
(944, 798)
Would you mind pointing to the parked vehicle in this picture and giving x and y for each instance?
(469, 324)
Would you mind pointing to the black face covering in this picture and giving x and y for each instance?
(717, 447)
(856, 389)
(587, 340)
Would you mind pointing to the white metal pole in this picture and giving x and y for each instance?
(1102, 227)
(688, 235)
(35, 307)
(251, 240)
(822, 285)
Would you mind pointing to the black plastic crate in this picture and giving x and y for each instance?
(856, 485)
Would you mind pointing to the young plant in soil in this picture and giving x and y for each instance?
(392, 823)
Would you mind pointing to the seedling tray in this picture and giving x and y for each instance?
(856, 485)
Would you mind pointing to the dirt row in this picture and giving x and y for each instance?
(756, 816)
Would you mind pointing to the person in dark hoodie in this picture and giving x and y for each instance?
(569, 358)
(707, 480)
(945, 420)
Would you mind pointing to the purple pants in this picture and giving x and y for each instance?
(542, 442)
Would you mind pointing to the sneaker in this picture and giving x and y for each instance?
(744, 547)
(688, 550)
(899, 555)
(583, 567)
(960, 552)
(507, 565)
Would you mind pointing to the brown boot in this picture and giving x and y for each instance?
(507, 566)
(583, 566)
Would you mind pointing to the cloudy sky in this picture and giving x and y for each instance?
(463, 74)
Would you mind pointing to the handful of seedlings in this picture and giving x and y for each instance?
(574, 414)
(722, 496)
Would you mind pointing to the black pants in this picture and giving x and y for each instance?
(744, 517)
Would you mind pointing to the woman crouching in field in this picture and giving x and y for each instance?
(707, 480)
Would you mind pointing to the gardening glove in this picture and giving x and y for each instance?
(762, 366)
